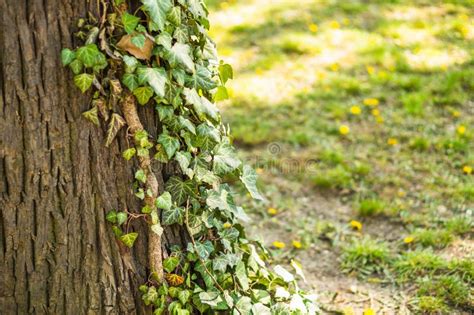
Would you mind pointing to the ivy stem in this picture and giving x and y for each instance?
(129, 108)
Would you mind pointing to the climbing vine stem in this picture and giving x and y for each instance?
(157, 53)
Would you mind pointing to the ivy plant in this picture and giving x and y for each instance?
(157, 53)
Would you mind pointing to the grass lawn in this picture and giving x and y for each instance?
(359, 117)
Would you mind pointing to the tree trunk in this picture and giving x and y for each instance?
(58, 180)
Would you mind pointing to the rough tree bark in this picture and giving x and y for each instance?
(57, 180)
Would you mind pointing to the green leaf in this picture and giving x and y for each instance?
(88, 54)
(175, 16)
(121, 218)
(129, 239)
(179, 75)
(151, 296)
(131, 63)
(184, 159)
(169, 143)
(130, 81)
(138, 40)
(210, 298)
(158, 9)
(206, 176)
(249, 178)
(283, 273)
(180, 54)
(67, 56)
(166, 113)
(140, 176)
(204, 250)
(111, 216)
(220, 263)
(143, 94)
(164, 201)
(225, 159)
(202, 78)
(129, 22)
(92, 115)
(241, 275)
(83, 81)
(173, 215)
(155, 77)
(181, 34)
(221, 94)
(157, 229)
(76, 66)
(196, 8)
(180, 190)
(170, 264)
(187, 124)
(201, 105)
(164, 39)
(184, 296)
(225, 72)
(116, 123)
(129, 153)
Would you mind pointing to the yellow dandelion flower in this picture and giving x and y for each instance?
(371, 102)
(346, 21)
(461, 129)
(370, 70)
(382, 75)
(375, 112)
(408, 239)
(272, 211)
(334, 24)
(227, 225)
(259, 71)
(456, 113)
(355, 110)
(278, 244)
(313, 28)
(369, 311)
(379, 119)
(224, 5)
(200, 92)
(467, 170)
(344, 130)
(392, 141)
(401, 193)
(334, 67)
(356, 225)
(320, 75)
(296, 244)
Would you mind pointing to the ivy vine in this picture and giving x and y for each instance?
(159, 54)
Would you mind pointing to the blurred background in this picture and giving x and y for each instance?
(358, 116)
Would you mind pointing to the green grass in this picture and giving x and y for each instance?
(400, 167)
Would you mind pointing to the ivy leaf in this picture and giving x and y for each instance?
(206, 176)
(164, 39)
(173, 215)
(241, 275)
(183, 297)
(121, 218)
(76, 66)
(196, 8)
(179, 75)
(129, 239)
(202, 78)
(204, 250)
(180, 190)
(221, 94)
(140, 176)
(83, 81)
(157, 229)
(283, 273)
(210, 298)
(249, 178)
(180, 54)
(186, 123)
(165, 113)
(225, 72)
(184, 159)
(88, 54)
(92, 115)
(143, 94)
(220, 263)
(181, 34)
(130, 81)
(67, 56)
(116, 122)
(225, 159)
(131, 64)
(169, 143)
(164, 201)
(170, 264)
(129, 153)
(175, 16)
(111, 216)
(155, 77)
(138, 40)
(129, 22)
(158, 9)
(201, 105)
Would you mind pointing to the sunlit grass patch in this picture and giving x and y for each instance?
(413, 264)
(365, 256)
